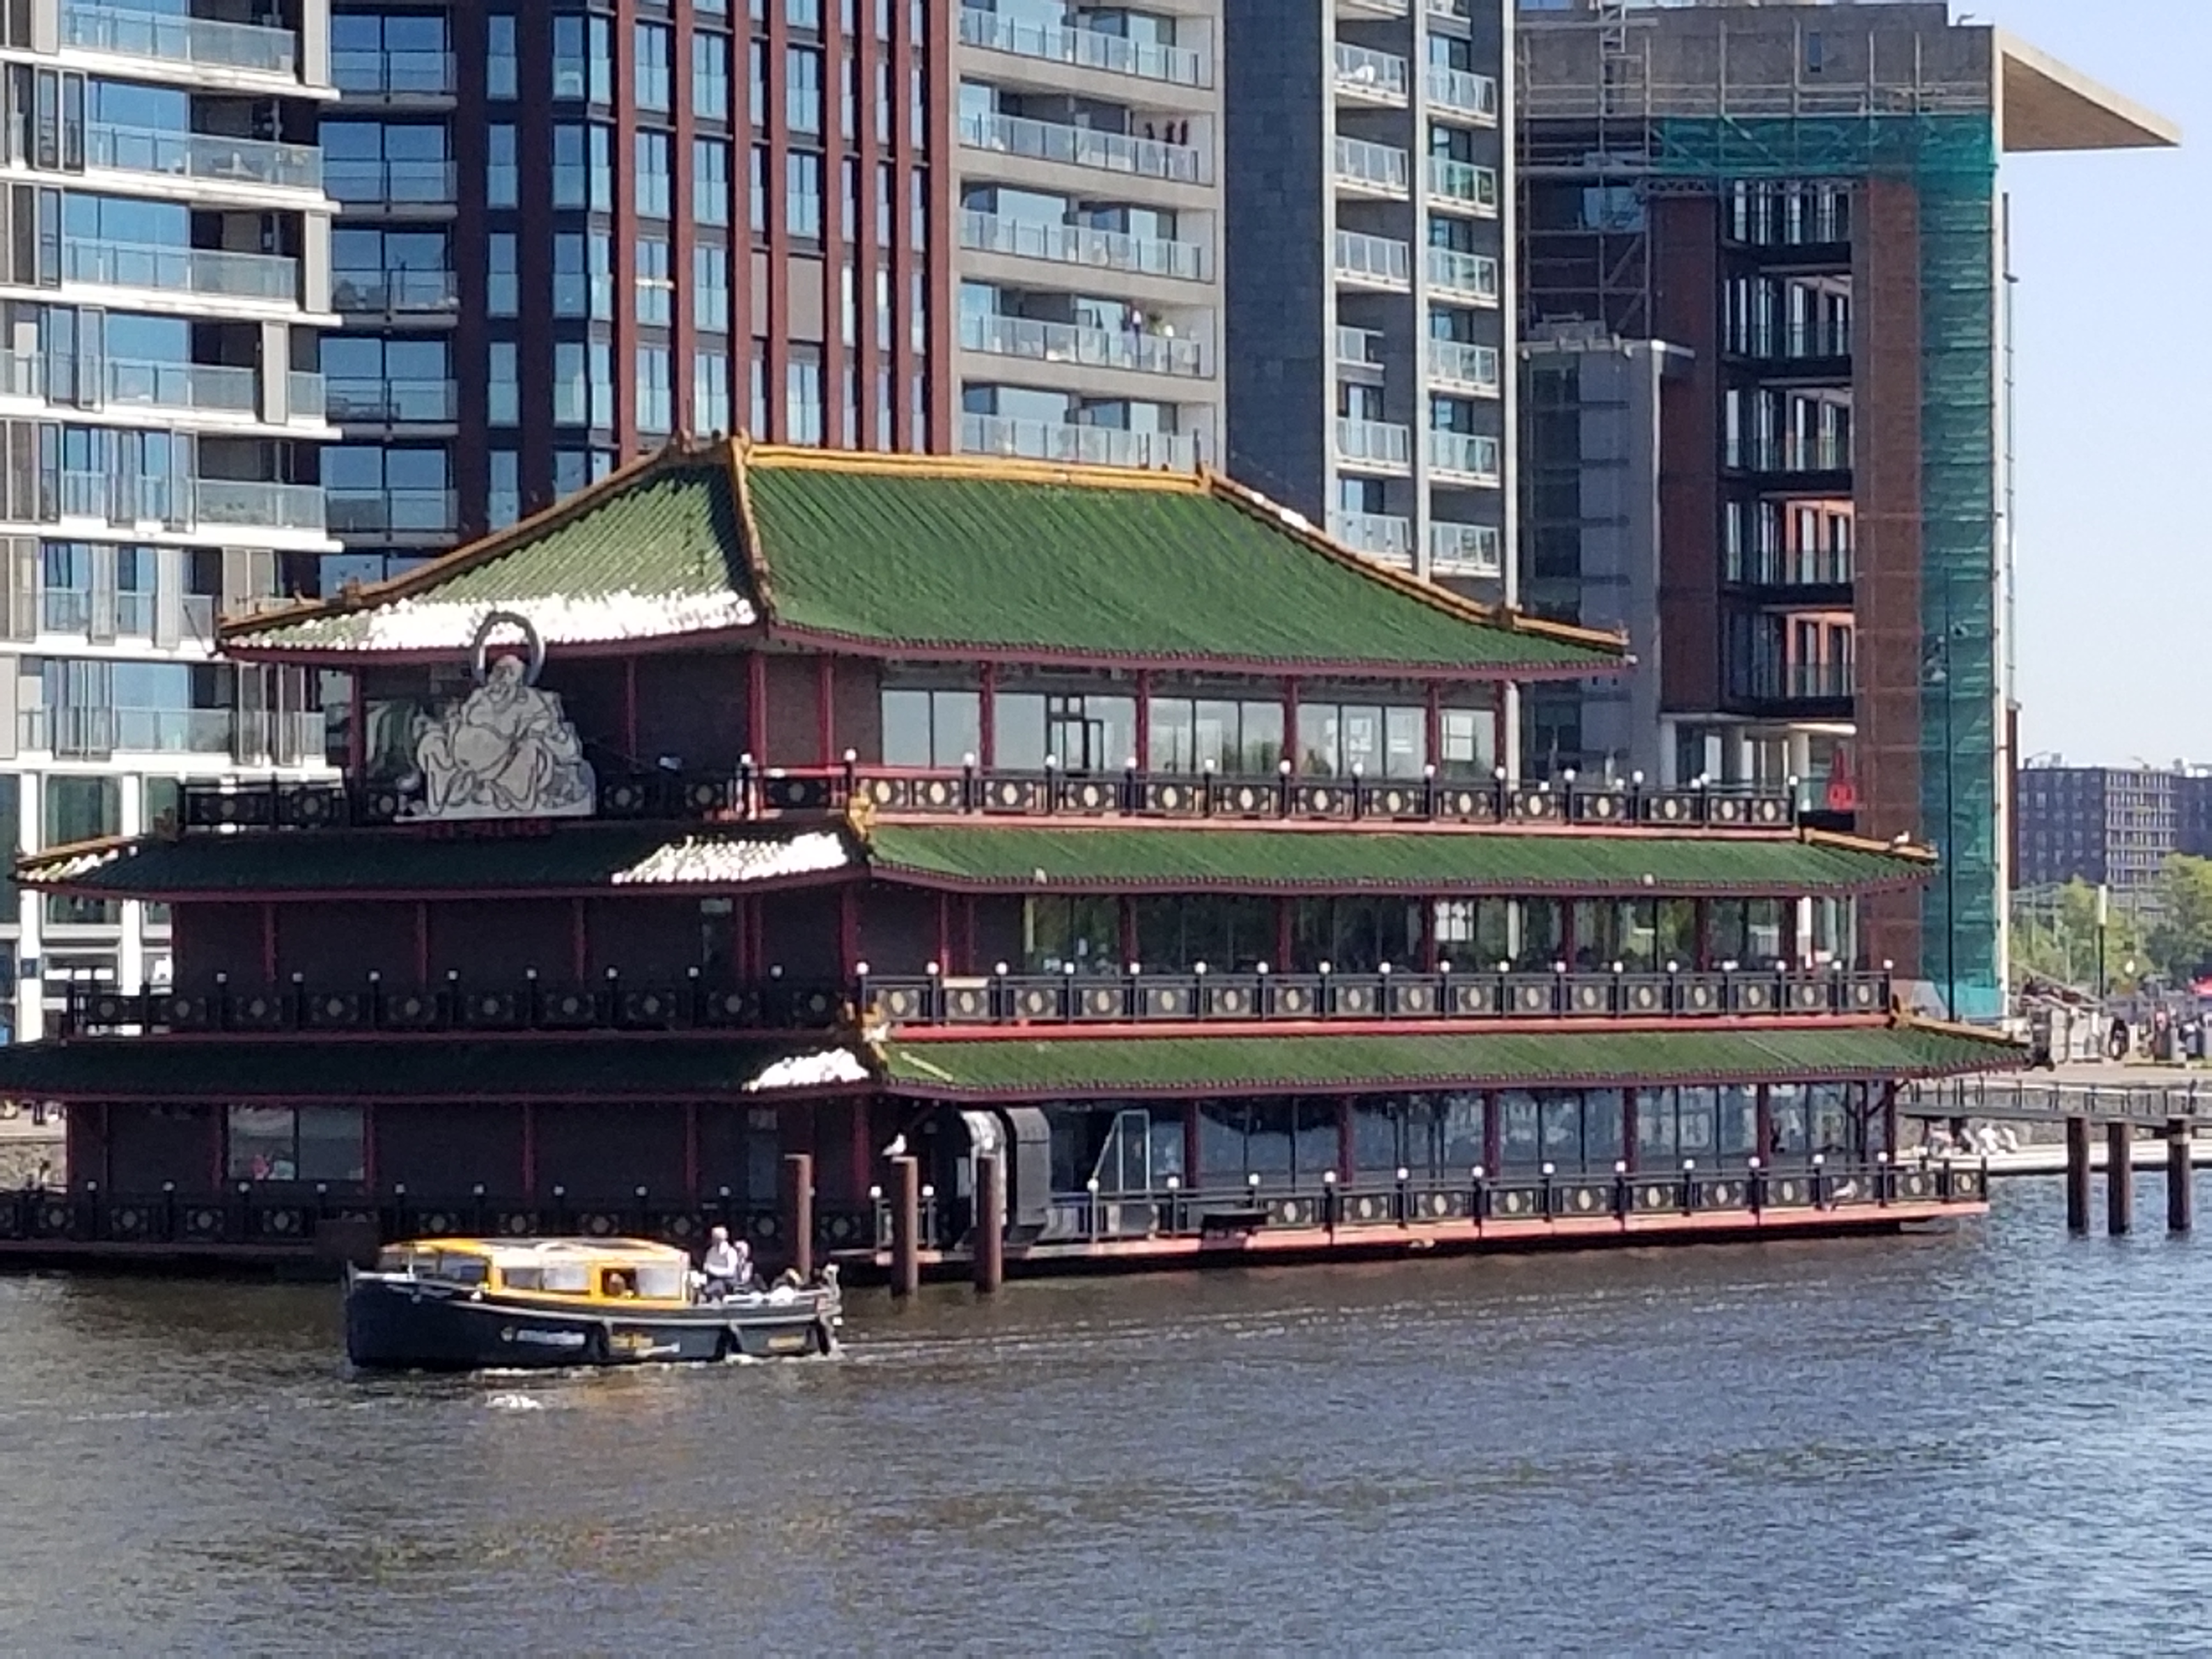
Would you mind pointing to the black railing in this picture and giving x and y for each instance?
(2150, 1104)
(617, 1003)
(1431, 1199)
(1141, 997)
(614, 1003)
(751, 792)
(296, 1214)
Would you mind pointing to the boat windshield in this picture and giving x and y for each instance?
(662, 1281)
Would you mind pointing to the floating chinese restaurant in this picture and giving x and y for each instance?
(850, 848)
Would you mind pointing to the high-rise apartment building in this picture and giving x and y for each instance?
(166, 279)
(2109, 825)
(1802, 201)
(1368, 335)
(1090, 155)
(568, 230)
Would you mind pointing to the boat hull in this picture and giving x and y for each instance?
(394, 1323)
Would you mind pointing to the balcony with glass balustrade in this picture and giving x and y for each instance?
(353, 401)
(1084, 48)
(394, 74)
(205, 158)
(1062, 441)
(1455, 364)
(1462, 187)
(1365, 168)
(1373, 262)
(1366, 77)
(1463, 275)
(1364, 445)
(394, 292)
(1464, 457)
(167, 268)
(1134, 350)
(1462, 95)
(393, 512)
(1475, 550)
(1086, 147)
(391, 186)
(170, 37)
(1382, 536)
(1080, 244)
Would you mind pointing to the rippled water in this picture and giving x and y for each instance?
(1991, 1440)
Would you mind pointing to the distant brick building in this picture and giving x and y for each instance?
(2115, 825)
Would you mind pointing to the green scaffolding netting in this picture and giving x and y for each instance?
(1952, 163)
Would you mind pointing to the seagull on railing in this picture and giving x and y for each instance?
(897, 1148)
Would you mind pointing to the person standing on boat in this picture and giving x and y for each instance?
(726, 1265)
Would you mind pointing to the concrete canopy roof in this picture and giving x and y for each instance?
(2048, 106)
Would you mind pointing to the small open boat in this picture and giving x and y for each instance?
(459, 1304)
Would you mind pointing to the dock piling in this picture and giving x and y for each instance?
(798, 1211)
(990, 1256)
(2119, 1179)
(2077, 1174)
(2180, 1176)
(906, 1226)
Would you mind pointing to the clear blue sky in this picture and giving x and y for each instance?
(2115, 397)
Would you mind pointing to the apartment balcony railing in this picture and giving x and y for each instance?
(1084, 48)
(1359, 348)
(1374, 443)
(1466, 550)
(170, 37)
(391, 183)
(1474, 275)
(393, 403)
(751, 793)
(1374, 76)
(392, 512)
(1079, 244)
(1132, 349)
(1373, 169)
(1791, 452)
(305, 394)
(1792, 681)
(1466, 455)
(1373, 261)
(1094, 445)
(94, 732)
(65, 610)
(211, 386)
(1376, 8)
(1782, 567)
(422, 74)
(207, 156)
(1453, 362)
(390, 291)
(251, 502)
(1086, 147)
(1791, 343)
(1379, 535)
(183, 270)
(1458, 92)
(124, 498)
(1463, 184)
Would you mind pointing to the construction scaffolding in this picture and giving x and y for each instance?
(1609, 123)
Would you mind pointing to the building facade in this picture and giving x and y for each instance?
(162, 410)
(1804, 200)
(567, 231)
(1368, 235)
(2109, 826)
(692, 826)
(1089, 151)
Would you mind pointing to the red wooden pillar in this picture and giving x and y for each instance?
(1127, 915)
(848, 931)
(1286, 934)
(368, 1144)
(1144, 755)
(1567, 932)
(217, 1145)
(356, 734)
(757, 697)
(269, 944)
(1433, 735)
(968, 934)
(421, 943)
(986, 724)
(1628, 1127)
(1193, 1177)
(825, 706)
(1493, 1132)
(1763, 1125)
(945, 934)
(579, 943)
(1291, 722)
(1345, 1168)
(530, 1149)
(1704, 926)
(864, 1154)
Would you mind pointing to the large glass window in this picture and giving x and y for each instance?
(654, 51)
(297, 1142)
(1082, 931)
(1285, 1142)
(1077, 732)
(1235, 738)
(1229, 934)
(931, 728)
(710, 184)
(656, 390)
(1336, 740)
(651, 185)
(710, 76)
(1355, 935)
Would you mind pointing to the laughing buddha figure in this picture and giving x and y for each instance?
(506, 750)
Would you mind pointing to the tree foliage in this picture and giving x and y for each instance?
(2181, 942)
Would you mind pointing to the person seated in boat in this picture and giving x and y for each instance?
(618, 1283)
(727, 1267)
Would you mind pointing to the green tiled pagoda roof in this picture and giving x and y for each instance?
(935, 556)
(1219, 860)
(1110, 1067)
(627, 856)
(434, 1067)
